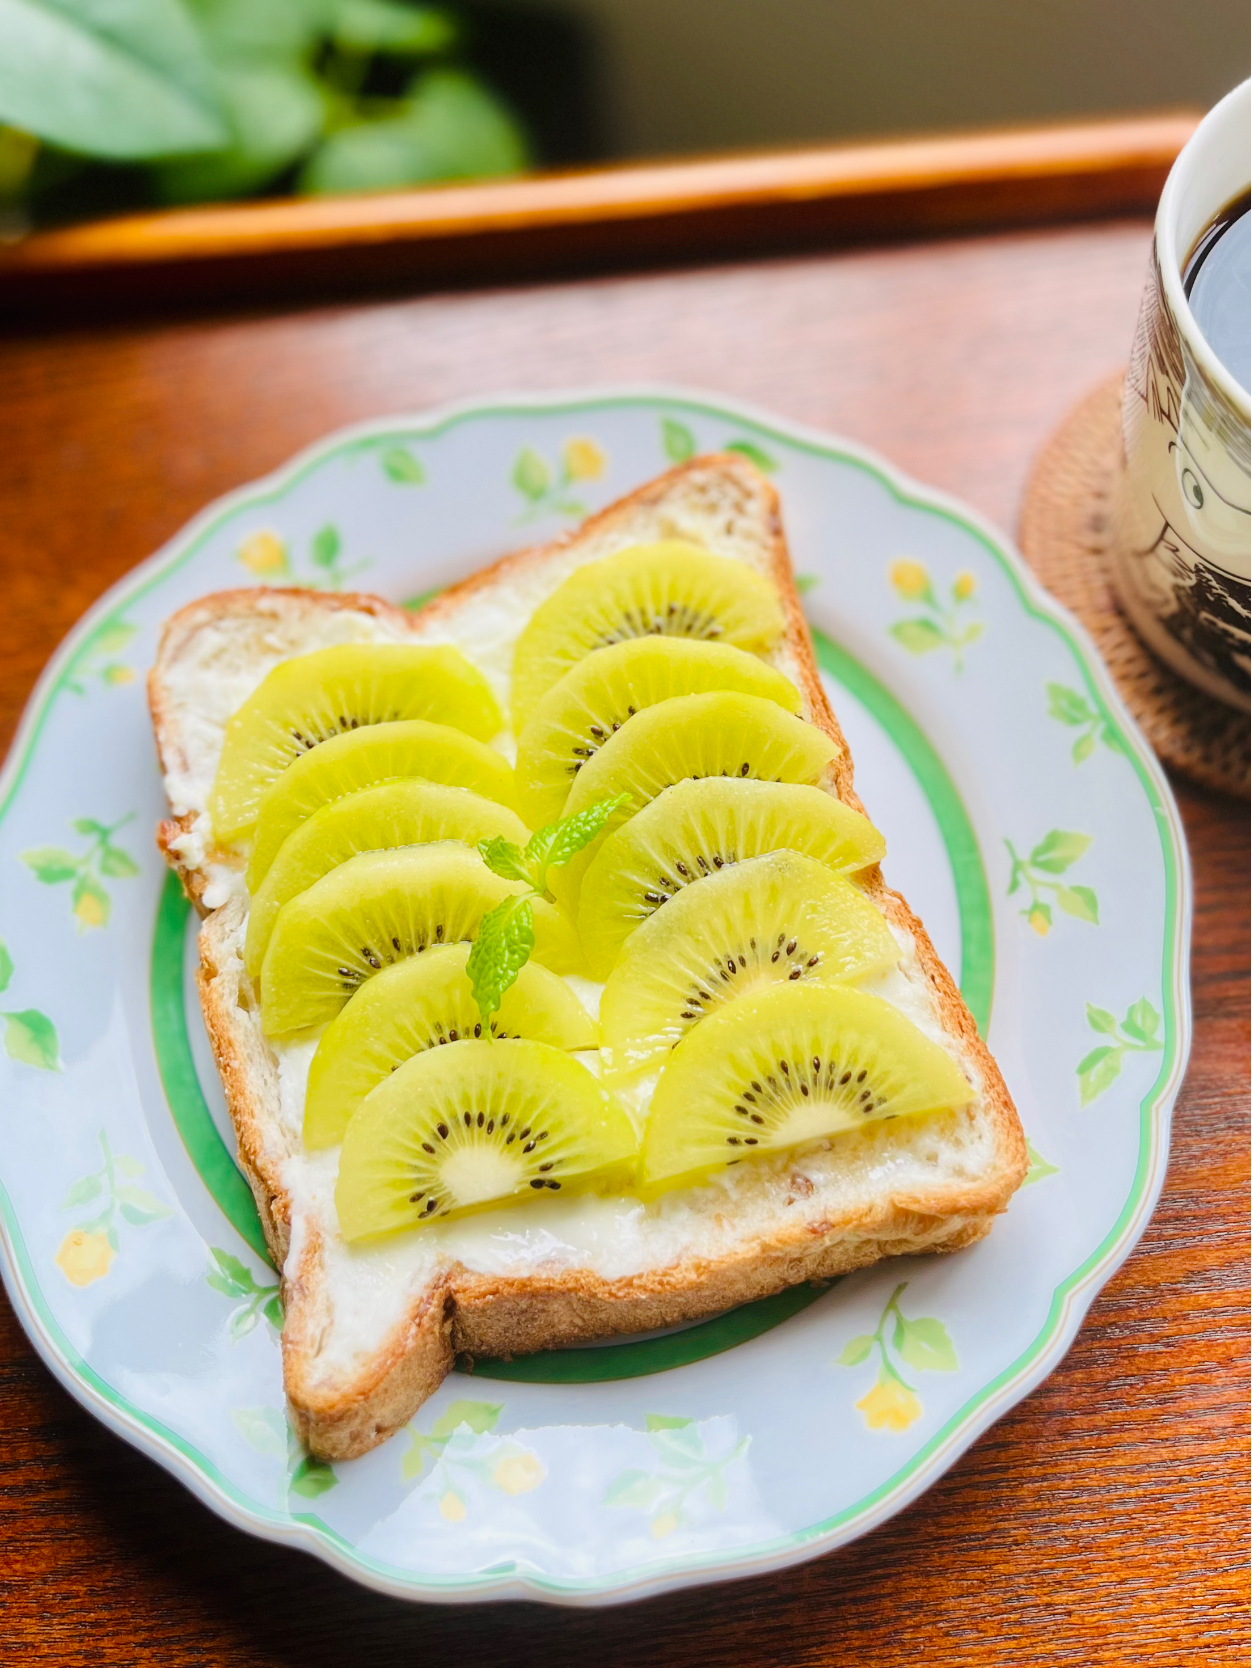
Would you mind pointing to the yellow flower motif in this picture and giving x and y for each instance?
(584, 460)
(263, 553)
(889, 1406)
(1039, 921)
(964, 585)
(84, 1257)
(518, 1473)
(910, 579)
(664, 1525)
(89, 910)
(452, 1507)
(119, 674)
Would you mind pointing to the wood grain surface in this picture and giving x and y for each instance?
(698, 208)
(1102, 1521)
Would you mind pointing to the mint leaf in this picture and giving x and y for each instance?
(550, 847)
(503, 858)
(506, 936)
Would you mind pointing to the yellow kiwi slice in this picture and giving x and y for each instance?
(406, 813)
(700, 736)
(306, 700)
(426, 1002)
(777, 919)
(600, 692)
(788, 1067)
(377, 909)
(695, 829)
(473, 1125)
(364, 758)
(670, 589)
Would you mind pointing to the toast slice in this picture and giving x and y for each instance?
(371, 1330)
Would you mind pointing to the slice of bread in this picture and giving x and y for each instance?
(371, 1330)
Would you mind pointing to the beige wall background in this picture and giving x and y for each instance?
(692, 75)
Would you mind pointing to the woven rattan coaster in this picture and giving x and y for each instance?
(1064, 535)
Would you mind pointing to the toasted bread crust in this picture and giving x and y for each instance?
(463, 1312)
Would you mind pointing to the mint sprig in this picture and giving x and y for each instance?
(506, 934)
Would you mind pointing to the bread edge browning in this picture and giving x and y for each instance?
(481, 1315)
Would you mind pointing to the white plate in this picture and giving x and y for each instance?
(1026, 820)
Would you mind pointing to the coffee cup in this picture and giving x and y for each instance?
(1182, 503)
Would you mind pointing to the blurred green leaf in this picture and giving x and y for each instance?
(6, 965)
(383, 26)
(449, 127)
(1142, 1022)
(115, 78)
(50, 864)
(248, 30)
(677, 439)
(326, 546)
(403, 468)
(276, 111)
(118, 864)
(31, 1037)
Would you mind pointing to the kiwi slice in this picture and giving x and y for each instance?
(722, 734)
(306, 700)
(423, 1003)
(695, 829)
(671, 589)
(777, 919)
(598, 694)
(789, 1066)
(364, 758)
(377, 909)
(475, 1124)
(410, 813)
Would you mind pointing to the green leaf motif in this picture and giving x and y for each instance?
(634, 1489)
(326, 546)
(1100, 1019)
(82, 1192)
(1097, 1071)
(681, 1447)
(139, 1206)
(6, 966)
(1057, 850)
(262, 1428)
(917, 636)
(665, 1422)
(51, 864)
(1080, 902)
(31, 1038)
(1083, 748)
(855, 1350)
(754, 454)
(1067, 705)
(924, 1344)
(403, 468)
(88, 826)
(232, 1275)
(126, 79)
(1142, 1022)
(678, 440)
(117, 864)
(110, 640)
(273, 1312)
(806, 582)
(241, 1323)
(531, 475)
(312, 1477)
(480, 1417)
(1039, 1168)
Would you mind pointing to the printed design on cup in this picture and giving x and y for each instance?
(1183, 509)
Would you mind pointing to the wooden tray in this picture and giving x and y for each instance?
(633, 215)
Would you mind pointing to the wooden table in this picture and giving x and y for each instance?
(1103, 1520)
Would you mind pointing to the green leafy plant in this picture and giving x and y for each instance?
(685, 1468)
(1052, 856)
(102, 860)
(506, 934)
(1069, 707)
(219, 98)
(29, 1036)
(679, 444)
(1137, 1034)
(233, 1278)
(920, 1342)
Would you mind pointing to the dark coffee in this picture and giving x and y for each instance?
(1217, 281)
